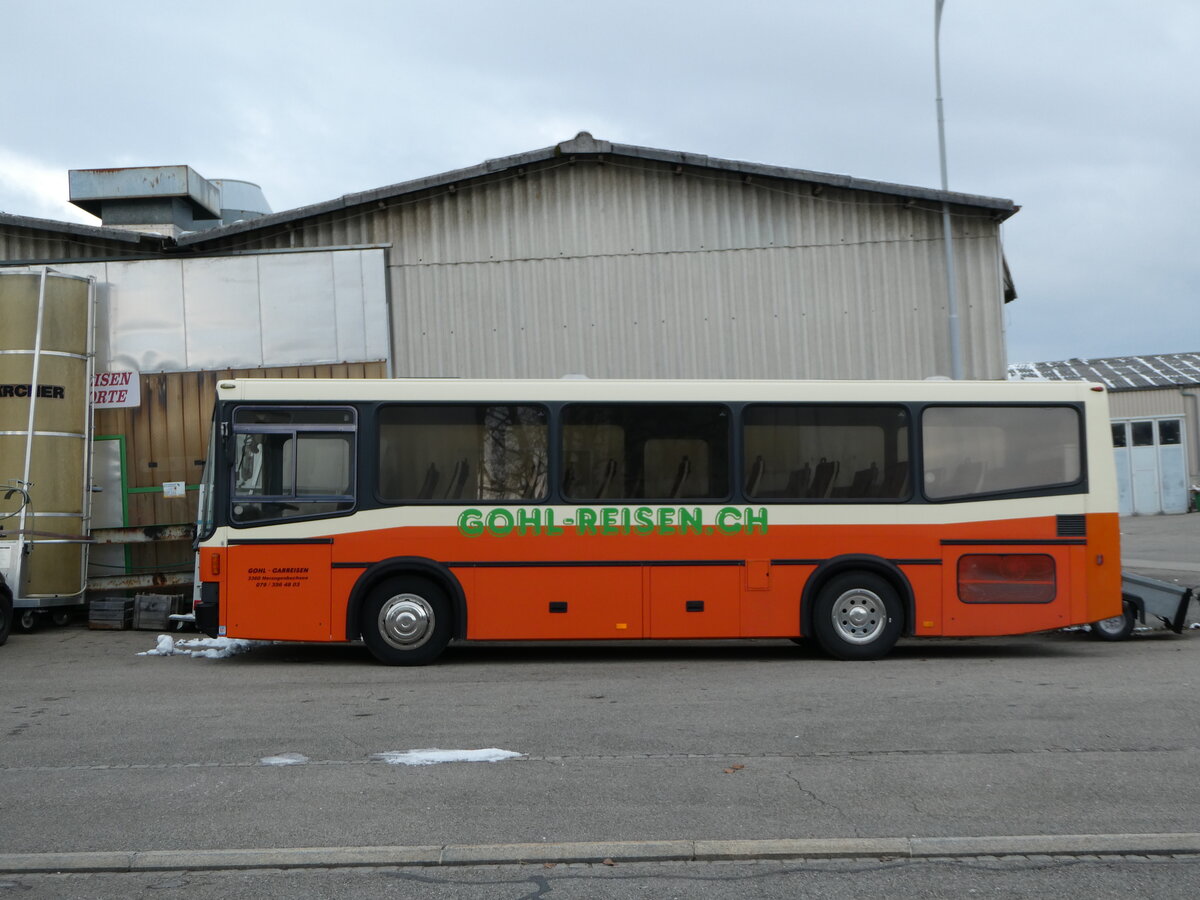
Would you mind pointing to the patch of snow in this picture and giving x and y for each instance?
(164, 647)
(433, 756)
(207, 648)
(284, 759)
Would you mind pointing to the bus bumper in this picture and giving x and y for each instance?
(208, 609)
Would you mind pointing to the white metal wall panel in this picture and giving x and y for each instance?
(630, 269)
(145, 314)
(351, 319)
(293, 315)
(230, 330)
(256, 310)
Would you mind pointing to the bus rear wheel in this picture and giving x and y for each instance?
(857, 615)
(406, 622)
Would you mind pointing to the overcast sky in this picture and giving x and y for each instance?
(1084, 112)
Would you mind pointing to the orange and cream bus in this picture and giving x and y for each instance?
(411, 512)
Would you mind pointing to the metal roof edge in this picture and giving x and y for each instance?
(92, 231)
(1128, 389)
(584, 144)
(786, 173)
(361, 198)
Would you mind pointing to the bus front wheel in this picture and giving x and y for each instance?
(406, 622)
(857, 615)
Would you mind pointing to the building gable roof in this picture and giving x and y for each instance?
(1117, 373)
(584, 146)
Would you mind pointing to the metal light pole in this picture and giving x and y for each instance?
(956, 364)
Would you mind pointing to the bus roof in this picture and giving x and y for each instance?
(329, 390)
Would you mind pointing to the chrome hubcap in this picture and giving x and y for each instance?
(406, 621)
(859, 616)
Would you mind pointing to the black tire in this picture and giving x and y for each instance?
(406, 621)
(1118, 628)
(26, 622)
(6, 615)
(857, 615)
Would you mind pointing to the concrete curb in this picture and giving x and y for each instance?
(601, 852)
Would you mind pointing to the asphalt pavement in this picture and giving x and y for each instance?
(751, 755)
(1166, 547)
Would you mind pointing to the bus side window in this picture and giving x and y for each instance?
(990, 449)
(450, 452)
(645, 451)
(458, 479)
(895, 480)
(827, 452)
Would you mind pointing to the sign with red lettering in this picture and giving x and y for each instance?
(116, 390)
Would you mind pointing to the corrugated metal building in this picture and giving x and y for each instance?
(1155, 407)
(613, 260)
(585, 257)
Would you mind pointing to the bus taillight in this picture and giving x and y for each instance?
(1006, 578)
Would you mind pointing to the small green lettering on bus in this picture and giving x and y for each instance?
(536, 521)
(500, 522)
(470, 523)
(613, 520)
(729, 520)
(691, 521)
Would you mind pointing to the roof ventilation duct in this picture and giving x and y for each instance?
(168, 200)
(240, 200)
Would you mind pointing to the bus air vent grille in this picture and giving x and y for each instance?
(1072, 526)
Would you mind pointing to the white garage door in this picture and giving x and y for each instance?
(1151, 466)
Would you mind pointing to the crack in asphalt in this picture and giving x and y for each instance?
(826, 804)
